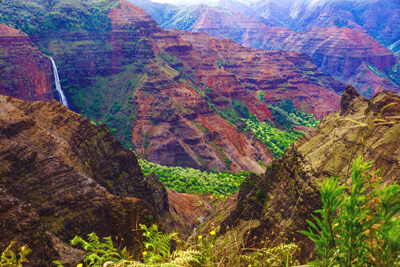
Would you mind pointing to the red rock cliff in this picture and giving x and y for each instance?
(349, 55)
(174, 125)
(25, 72)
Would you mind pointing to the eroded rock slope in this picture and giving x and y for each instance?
(62, 176)
(278, 204)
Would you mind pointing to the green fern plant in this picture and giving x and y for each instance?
(158, 245)
(158, 252)
(178, 259)
(98, 252)
(10, 259)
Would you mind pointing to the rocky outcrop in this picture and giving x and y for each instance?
(25, 72)
(20, 223)
(73, 177)
(278, 204)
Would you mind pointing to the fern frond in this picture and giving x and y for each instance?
(183, 258)
(125, 263)
(9, 258)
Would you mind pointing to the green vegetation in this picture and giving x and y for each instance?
(276, 140)
(45, 16)
(286, 116)
(98, 252)
(9, 258)
(96, 96)
(204, 248)
(158, 249)
(101, 104)
(234, 111)
(358, 228)
(190, 180)
(278, 136)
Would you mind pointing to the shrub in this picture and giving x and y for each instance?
(358, 228)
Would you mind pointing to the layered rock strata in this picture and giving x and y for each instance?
(72, 176)
(162, 92)
(224, 65)
(25, 72)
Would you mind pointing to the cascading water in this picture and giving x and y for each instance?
(58, 85)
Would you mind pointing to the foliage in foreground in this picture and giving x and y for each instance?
(10, 259)
(188, 180)
(200, 250)
(358, 228)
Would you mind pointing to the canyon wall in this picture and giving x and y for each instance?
(73, 177)
(163, 93)
(277, 204)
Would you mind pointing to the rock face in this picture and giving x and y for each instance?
(25, 72)
(20, 223)
(71, 178)
(278, 204)
(349, 55)
(269, 75)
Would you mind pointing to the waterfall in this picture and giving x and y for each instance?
(63, 99)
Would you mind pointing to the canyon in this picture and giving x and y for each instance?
(58, 168)
(348, 54)
(377, 18)
(162, 92)
(168, 96)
